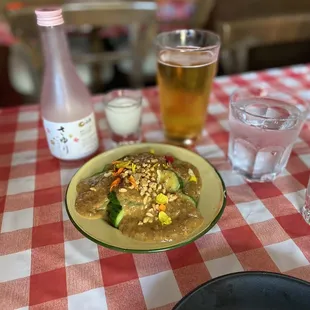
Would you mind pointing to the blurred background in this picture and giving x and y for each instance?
(112, 42)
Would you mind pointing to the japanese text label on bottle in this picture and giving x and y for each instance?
(74, 140)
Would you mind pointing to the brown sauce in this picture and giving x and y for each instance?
(185, 219)
(158, 196)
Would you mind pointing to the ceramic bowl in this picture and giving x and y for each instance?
(211, 204)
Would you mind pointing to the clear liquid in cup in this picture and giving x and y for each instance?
(262, 134)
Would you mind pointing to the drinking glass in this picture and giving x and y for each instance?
(186, 65)
(306, 208)
(123, 112)
(264, 124)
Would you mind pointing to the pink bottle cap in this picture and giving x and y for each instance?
(49, 16)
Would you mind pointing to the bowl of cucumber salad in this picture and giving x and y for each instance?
(145, 198)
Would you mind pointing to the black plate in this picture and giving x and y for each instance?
(248, 291)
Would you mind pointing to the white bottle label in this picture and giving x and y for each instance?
(74, 140)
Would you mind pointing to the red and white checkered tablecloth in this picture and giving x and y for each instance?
(45, 263)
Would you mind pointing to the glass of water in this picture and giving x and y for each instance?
(264, 125)
(306, 208)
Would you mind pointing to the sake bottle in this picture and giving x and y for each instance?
(66, 105)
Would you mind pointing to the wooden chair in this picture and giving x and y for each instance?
(239, 36)
(135, 15)
(198, 14)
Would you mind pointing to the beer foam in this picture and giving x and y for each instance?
(187, 57)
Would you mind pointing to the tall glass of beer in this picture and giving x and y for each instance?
(186, 66)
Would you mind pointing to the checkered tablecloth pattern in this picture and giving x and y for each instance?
(45, 263)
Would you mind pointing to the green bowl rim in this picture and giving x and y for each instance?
(167, 248)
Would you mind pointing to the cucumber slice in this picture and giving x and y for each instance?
(116, 214)
(170, 179)
(192, 189)
(115, 210)
(180, 181)
(188, 198)
(113, 198)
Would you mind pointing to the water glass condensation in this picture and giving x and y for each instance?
(186, 66)
(264, 125)
(123, 109)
